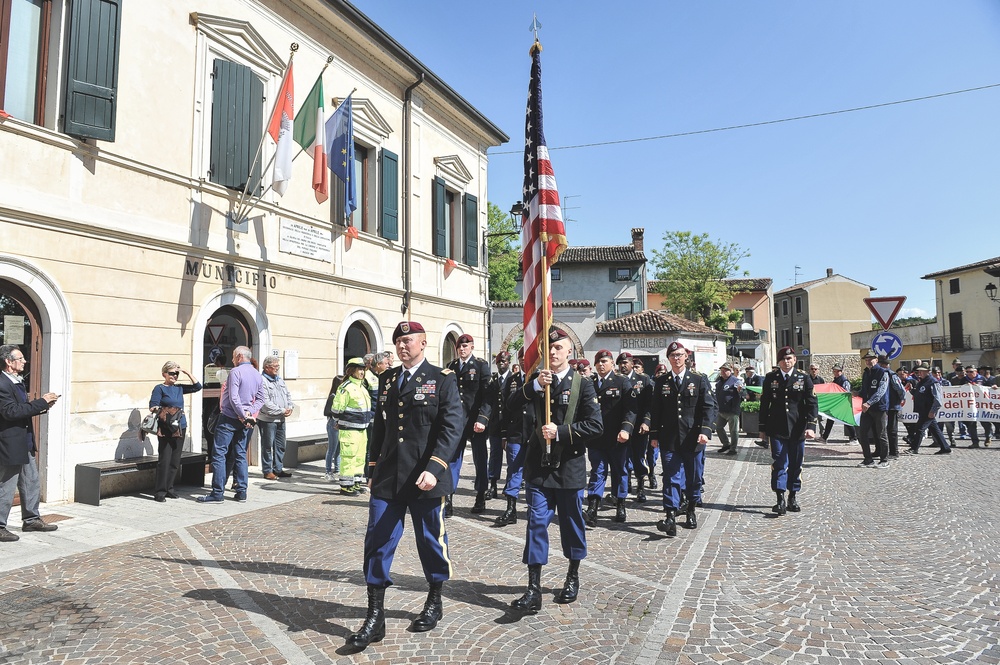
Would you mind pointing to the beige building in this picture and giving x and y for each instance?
(968, 313)
(816, 318)
(127, 148)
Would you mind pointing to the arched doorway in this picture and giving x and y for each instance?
(225, 330)
(357, 343)
(448, 351)
(20, 325)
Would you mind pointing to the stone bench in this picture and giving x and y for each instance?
(299, 449)
(96, 480)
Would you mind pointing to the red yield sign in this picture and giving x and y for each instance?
(885, 310)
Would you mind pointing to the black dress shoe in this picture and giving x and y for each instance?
(943, 452)
(171, 495)
(480, 505)
(37, 525)
(160, 498)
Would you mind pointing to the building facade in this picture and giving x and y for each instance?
(133, 140)
(968, 313)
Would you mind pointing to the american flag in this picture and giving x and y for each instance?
(542, 229)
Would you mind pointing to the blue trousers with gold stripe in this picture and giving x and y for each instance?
(786, 469)
(385, 527)
(543, 504)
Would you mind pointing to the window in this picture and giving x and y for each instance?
(555, 274)
(384, 222)
(237, 125)
(620, 308)
(456, 224)
(798, 336)
(953, 286)
(623, 274)
(784, 308)
(798, 304)
(747, 316)
(27, 28)
(784, 337)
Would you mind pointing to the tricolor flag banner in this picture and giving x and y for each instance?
(834, 402)
(340, 151)
(542, 229)
(310, 133)
(280, 129)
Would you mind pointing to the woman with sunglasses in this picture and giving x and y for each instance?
(168, 401)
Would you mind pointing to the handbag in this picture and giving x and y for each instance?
(150, 424)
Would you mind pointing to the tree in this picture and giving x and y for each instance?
(503, 255)
(692, 269)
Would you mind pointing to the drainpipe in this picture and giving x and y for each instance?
(407, 241)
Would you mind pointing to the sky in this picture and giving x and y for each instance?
(882, 196)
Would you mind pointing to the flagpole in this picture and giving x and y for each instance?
(239, 205)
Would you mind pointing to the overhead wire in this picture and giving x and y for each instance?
(757, 124)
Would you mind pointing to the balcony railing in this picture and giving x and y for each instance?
(745, 337)
(947, 343)
(989, 340)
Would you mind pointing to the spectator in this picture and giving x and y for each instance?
(728, 395)
(278, 405)
(167, 400)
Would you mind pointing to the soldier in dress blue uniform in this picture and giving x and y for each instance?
(473, 380)
(417, 427)
(682, 413)
(513, 424)
(640, 452)
(494, 395)
(788, 416)
(609, 452)
(555, 467)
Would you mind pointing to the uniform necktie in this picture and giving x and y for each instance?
(678, 380)
(403, 378)
(600, 383)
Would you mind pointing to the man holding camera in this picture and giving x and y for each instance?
(242, 397)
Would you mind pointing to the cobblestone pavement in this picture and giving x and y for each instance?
(890, 566)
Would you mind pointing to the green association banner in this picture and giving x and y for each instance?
(838, 406)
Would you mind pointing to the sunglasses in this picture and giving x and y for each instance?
(173, 373)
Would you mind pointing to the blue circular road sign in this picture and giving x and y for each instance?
(888, 344)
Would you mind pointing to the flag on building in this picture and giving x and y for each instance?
(310, 133)
(280, 129)
(543, 233)
(340, 151)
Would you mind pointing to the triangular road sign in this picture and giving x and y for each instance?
(885, 309)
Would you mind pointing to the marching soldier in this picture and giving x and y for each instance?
(418, 423)
(640, 452)
(788, 416)
(517, 423)
(609, 452)
(555, 467)
(495, 396)
(682, 412)
(473, 379)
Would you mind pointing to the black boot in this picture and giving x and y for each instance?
(630, 487)
(432, 612)
(652, 481)
(593, 503)
(480, 504)
(692, 519)
(793, 505)
(684, 504)
(620, 515)
(492, 492)
(640, 495)
(571, 589)
(780, 506)
(373, 629)
(668, 524)
(508, 516)
(449, 510)
(531, 601)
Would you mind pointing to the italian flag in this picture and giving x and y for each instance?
(280, 129)
(310, 133)
(834, 402)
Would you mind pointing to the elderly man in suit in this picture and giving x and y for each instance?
(17, 445)
(788, 416)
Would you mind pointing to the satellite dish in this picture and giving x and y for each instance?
(746, 326)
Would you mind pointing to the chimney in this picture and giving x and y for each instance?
(637, 239)
(829, 272)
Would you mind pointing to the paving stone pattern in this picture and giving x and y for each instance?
(882, 566)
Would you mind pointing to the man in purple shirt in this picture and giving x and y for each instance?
(242, 397)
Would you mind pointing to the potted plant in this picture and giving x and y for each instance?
(750, 417)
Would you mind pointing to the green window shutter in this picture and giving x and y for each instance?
(470, 205)
(635, 274)
(611, 309)
(389, 176)
(439, 201)
(612, 275)
(92, 69)
(237, 125)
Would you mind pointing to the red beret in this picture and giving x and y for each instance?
(624, 355)
(463, 339)
(582, 363)
(675, 346)
(603, 353)
(785, 351)
(556, 334)
(406, 328)
(660, 368)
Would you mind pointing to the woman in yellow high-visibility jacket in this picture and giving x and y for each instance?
(352, 409)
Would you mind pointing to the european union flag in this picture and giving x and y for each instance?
(340, 151)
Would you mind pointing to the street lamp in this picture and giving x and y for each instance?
(516, 211)
(991, 292)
